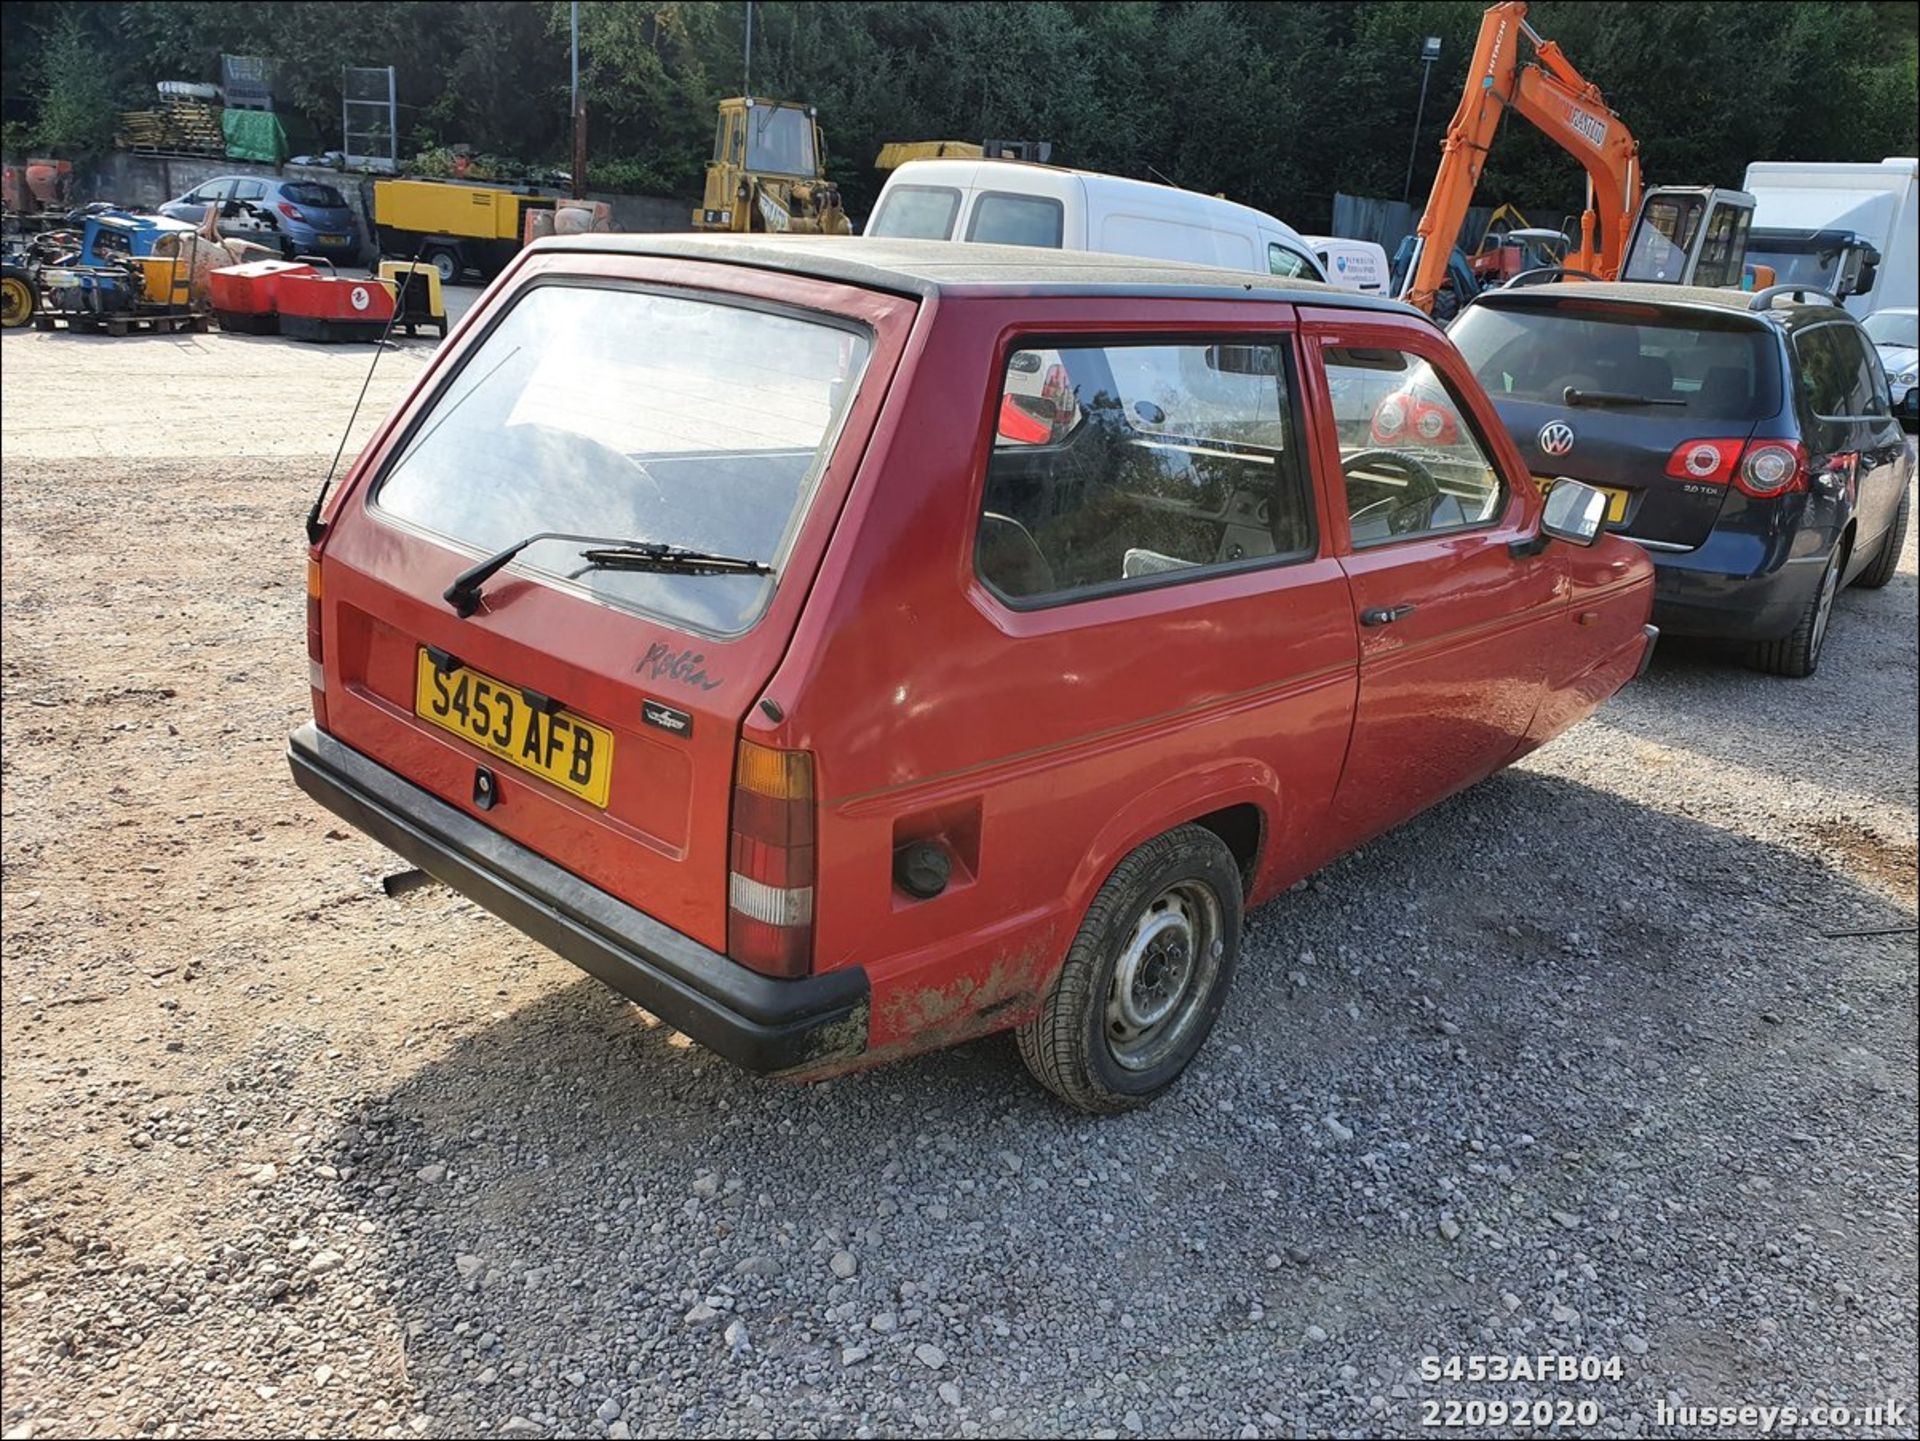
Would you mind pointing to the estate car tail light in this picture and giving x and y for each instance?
(1711, 461)
(770, 879)
(316, 655)
(1772, 468)
(1391, 418)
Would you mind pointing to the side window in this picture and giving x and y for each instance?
(1283, 261)
(1413, 463)
(212, 191)
(1865, 390)
(916, 212)
(1002, 219)
(1830, 373)
(1137, 463)
(1726, 237)
(250, 190)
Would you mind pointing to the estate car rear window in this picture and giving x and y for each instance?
(1692, 364)
(916, 212)
(638, 417)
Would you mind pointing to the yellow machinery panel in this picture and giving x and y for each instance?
(417, 294)
(166, 279)
(429, 208)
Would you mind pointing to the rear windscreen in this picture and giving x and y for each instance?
(916, 212)
(303, 193)
(634, 417)
(1712, 369)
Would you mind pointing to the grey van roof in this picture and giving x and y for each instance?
(926, 268)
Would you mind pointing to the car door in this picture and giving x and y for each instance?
(192, 207)
(1437, 527)
(1882, 466)
(246, 215)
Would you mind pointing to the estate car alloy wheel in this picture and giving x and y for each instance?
(1145, 977)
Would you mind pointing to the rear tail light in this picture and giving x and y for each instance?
(1434, 425)
(771, 873)
(1773, 467)
(1391, 418)
(1712, 461)
(316, 654)
(292, 212)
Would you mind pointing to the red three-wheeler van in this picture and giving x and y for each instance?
(847, 647)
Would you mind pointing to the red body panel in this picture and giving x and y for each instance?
(253, 288)
(1041, 745)
(325, 297)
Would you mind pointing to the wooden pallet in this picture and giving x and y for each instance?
(164, 322)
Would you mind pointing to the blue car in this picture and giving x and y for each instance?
(295, 217)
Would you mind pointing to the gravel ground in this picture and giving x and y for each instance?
(1574, 1063)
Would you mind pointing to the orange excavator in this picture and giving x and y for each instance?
(1676, 234)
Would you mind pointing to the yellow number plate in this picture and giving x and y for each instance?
(561, 749)
(1616, 499)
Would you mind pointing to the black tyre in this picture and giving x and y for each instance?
(1887, 559)
(445, 259)
(1797, 655)
(1144, 979)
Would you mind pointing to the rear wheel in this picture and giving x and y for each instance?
(446, 260)
(17, 299)
(1145, 978)
(1880, 570)
(1797, 655)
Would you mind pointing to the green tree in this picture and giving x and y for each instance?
(74, 87)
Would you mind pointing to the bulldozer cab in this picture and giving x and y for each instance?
(1690, 235)
(767, 172)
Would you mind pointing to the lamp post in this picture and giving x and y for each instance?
(1429, 52)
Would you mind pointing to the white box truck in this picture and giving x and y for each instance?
(1809, 222)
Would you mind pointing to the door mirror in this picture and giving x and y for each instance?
(1575, 512)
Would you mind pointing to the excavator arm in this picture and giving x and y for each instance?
(1557, 99)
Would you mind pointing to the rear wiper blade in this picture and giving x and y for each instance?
(657, 556)
(619, 554)
(1612, 397)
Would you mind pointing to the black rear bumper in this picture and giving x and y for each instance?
(756, 1021)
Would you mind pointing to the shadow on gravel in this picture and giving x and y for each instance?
(1848, 727)
(1535, 1012)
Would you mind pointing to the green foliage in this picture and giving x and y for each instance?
(74, 88)
(1278, 105)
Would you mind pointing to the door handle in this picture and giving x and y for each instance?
(1385, 614)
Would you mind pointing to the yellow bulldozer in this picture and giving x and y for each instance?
(767, 173)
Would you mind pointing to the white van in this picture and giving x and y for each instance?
(1351, 264)
(1010, 202)
(1802, 208)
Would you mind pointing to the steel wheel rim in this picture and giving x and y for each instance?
(449, 272)
(1166, 971)
(15, 305)
(1829, 588)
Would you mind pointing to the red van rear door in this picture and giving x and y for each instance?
(591, 713)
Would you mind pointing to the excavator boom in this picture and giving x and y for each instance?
(1555, 97)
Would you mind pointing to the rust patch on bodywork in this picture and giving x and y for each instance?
(967, 1006)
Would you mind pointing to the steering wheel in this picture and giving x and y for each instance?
(1402, 517)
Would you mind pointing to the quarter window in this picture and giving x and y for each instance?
(1412, 461)
(1123, 465)
(1282, 261)
(1834, 370)
(1002, 219)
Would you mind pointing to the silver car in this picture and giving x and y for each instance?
(295, 217)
